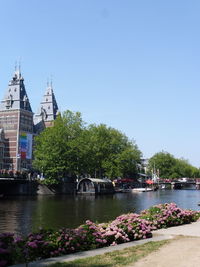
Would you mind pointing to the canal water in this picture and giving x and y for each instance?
(25, 214)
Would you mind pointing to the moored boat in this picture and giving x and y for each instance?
(123, 190)
(126, 190)
(142, 189)
(162, 187)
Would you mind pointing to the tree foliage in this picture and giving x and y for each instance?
(171, 167)
(69, 148)
(111, 153)
(56, 151)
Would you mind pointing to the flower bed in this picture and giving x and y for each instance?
(125, 228)
(167, 215)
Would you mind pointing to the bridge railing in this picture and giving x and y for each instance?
(179, 180)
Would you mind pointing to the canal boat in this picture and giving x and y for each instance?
(162, 186)
(118, 190)
(142, 189)
(95, 186)
(126, 190)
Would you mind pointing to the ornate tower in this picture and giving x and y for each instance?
(16, 119)
(48, 110)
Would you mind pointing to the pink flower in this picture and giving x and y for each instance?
(32, 244)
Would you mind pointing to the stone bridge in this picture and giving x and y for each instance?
(176, 184)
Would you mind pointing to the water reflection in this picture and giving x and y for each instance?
(24, 214)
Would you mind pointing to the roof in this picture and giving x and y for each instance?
(96, 180)
(16, 96)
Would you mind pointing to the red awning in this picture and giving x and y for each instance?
(149, 181)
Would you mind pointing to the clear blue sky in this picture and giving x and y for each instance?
(133, 65)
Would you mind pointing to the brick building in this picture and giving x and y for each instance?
(2, 144)
(18, 124)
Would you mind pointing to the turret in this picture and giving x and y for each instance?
(48, 109)
(16, 97)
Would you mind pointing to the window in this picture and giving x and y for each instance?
(1, 152)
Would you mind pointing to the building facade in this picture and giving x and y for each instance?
(19, 125)
(2, 144)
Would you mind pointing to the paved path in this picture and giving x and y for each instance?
(183, 248)
(192, 229)
(181, 252)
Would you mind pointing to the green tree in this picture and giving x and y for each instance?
(181, 169)
(164, 162)
(111, 154)
(171, 167)
(69, 148)
(56, 153)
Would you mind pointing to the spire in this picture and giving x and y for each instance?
(16, 97)
(17, 72)
(51, 84)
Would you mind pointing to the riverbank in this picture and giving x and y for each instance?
(91, 253)
(46, 243)
(180, 252)
(25, 187)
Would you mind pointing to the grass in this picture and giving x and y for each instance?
(117, 258)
